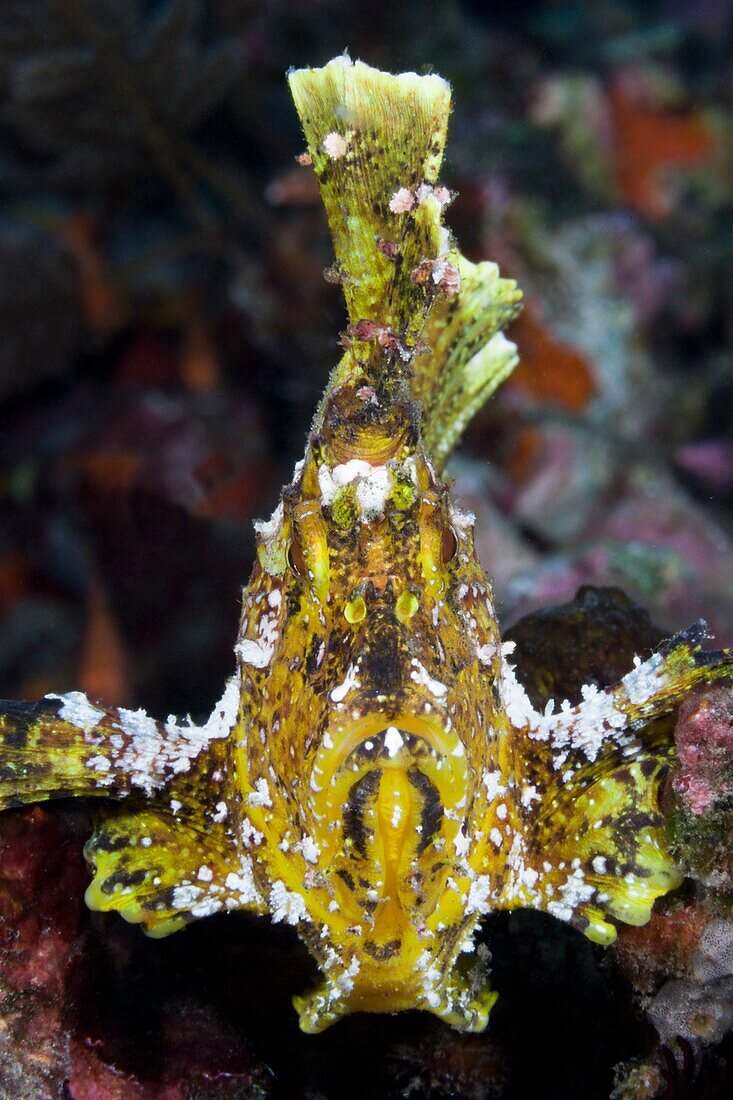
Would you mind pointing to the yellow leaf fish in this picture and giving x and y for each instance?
(374, 774)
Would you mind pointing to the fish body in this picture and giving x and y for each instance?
(374, 774)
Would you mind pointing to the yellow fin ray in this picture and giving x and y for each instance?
(67, 745)
(376, 141)
(595, 846)
(468, 356)
(160, 873)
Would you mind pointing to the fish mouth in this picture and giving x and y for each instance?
(380, 741)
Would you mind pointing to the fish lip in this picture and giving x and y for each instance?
(414, 714)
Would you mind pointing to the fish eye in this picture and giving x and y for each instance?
(296, 561)
(448, 545)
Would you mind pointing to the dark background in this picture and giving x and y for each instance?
(166, 329)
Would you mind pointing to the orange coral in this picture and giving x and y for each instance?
(648, 141)
(548, 369)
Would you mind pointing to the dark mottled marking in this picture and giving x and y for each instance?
(311, 660)
(360, 795)
(383, 951)
(431, 813)
(15, 736)
(108, 842)
(346, 878)
(123, 878)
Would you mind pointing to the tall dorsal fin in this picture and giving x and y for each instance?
(376, 142)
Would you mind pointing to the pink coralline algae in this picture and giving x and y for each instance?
(704, 738)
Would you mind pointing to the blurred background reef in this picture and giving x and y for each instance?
(166, 332)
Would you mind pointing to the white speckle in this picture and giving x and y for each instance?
(493, 784)
(586, 727)
(459, 750)
(250, 835)
(335, 145)
(145, 841)
(345, 980)
(644, 680)
(205, 874)
(599, 865)
(478, 895)
(372, 492)
(575, 892)
(285, 905)
(421, 676)
(76, 709)
(461, 844)
(260, 796)
(463, 522)
(372, 485)
(447, 276)
(259, 651)
(222, 718)
(402, 201)
(338, 694)
(99, 763)
(138, 725)
(220, 813)
(496, 838)
(393, 741)
(529, 795)
(274, 598)
(310, 849)
(184, 897)
(486, 653)
(206, 907)
(175, 805)
(242, 884)
(269, 529)
(501, 811)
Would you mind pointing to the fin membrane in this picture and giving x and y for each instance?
(66, 745)
(468, 357)
(595, 846)
(375, 140)
(162, 873)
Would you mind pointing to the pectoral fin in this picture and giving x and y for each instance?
(161, 872)
(66, 745)
(589, 842)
